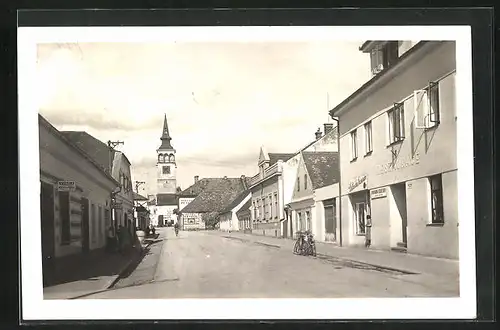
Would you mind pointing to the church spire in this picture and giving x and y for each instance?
(165, 136)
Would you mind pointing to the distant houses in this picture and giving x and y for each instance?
(213, 196)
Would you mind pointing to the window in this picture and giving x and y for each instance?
(359, 217)
(64, 217)
(368, 138)
(166, 169)
(305, 181)
(354, 145)
(426, 106)
(271, 212)
(436, 185)
(100, 226)
(276, 205)
(94, 223)
(384, 56)
(396, 119)
(308, 220)
(266, 211)
(298, 184)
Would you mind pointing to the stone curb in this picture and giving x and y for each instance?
(116, 278)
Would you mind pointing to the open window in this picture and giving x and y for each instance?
(396, 120)
(426, 104)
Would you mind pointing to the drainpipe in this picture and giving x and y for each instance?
(340, 181)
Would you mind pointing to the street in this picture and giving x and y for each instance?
(214, 265)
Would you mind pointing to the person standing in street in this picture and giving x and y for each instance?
(110, 239)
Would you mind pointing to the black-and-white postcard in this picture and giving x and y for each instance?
(256, 172)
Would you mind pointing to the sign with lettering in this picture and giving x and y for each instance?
(356, 182)
(117, 205)
(66, 186)
(378, 193)
(399, 164)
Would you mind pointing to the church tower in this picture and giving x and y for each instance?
(166, 166)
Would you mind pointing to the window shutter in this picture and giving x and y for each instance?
(420, 107)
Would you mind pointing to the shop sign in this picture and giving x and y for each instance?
(356, 182)
(378, 193)
(399, 165)
(66, 186)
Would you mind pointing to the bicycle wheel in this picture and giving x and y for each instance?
(296, 248)
(313, 249)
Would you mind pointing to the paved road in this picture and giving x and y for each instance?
(203, 265)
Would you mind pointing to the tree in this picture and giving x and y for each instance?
(211, 219)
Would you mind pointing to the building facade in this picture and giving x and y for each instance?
(73, 220)
(267, 190)
(117, 164)
(229, 219)
(399, 151)
(166, 173)
(310, 211)
(323, 142)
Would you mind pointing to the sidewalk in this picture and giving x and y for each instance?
(97, 271)
(388, 259)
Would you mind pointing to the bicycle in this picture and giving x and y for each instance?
(305, 244)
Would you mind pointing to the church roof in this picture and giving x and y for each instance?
(165, 137)
(166, 199)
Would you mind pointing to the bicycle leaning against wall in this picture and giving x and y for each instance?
(305, 244)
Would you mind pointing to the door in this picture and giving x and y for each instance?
(330, 223)
(285, 228)
(399, 193)
(85, 225)
(48, 234)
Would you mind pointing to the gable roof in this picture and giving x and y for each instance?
(236, 201)
(245, 208)
(196, 188)
(138, 197)
(274, 157)
(70, 143)
(98, 150)
(216, 196)
(322, 167)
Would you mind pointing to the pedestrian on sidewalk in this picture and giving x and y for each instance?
(368, 231)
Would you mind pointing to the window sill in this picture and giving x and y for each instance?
(435, 224)
(354, 159)
(369, 153)
(436, 125)
(392, 144)
(363, 234)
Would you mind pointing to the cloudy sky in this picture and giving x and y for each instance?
(223, 100)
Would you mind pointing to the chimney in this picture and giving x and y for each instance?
(328, 128)
(225, 177)
(318, 134)
(196, 177)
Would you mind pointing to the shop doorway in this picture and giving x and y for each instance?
(399, 194)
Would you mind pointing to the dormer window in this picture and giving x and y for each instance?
(383, 56)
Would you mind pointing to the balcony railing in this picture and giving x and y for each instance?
(275, 168)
